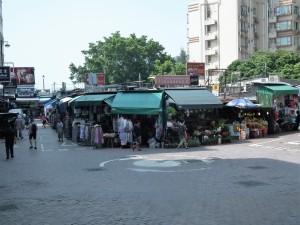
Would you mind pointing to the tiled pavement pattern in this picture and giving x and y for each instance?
(233, 184)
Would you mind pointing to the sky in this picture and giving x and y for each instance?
(49, 35)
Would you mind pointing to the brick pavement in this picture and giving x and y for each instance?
(228, 184)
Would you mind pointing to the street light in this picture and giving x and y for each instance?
(1, 49)
(43, 82)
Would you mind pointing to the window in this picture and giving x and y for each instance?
(284, 25)
(209, 59)
(207, 29)
(284, 41)
(208, 44)
(296, 41)
(296, 10)
(208, 12)
(284, 10)
(244, 26)
(243, 10)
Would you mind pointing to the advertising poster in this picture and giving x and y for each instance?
(195, 68)
(22, 75)
(94, 79)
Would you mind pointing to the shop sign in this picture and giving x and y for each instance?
(25, 91)
(195, 68)
(94, 79)
(172, 80)
(4, 74)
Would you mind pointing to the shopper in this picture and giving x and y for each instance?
(32, 131)
(60, 130)
(10, 140)
(182, 135)
(44, 120)
(19, 126)
(137, 136)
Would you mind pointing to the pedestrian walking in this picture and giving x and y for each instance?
(182, 135)
(19, 126)
(44, 120)
(10, 140)
(32, 130)
(60, 130)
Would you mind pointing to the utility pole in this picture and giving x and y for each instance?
(54, 86)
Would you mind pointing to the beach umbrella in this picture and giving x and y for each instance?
(241, 103)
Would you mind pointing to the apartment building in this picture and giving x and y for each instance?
(221, 31)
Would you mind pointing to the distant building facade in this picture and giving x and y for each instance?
(220, 32)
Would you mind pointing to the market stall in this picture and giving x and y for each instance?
(198, 108)
(284, 100)
(91, 118)
(144, 106)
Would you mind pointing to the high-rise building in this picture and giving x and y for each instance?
(221, 31)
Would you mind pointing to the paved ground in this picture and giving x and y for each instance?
(248, 182)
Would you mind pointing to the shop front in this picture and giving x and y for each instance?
(198, 109)
(88, 118)
(284, 100)
(142, 106)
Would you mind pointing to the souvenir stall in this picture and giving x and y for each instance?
(91, 118)
(143, 106)
(198, 108)
(284, 100)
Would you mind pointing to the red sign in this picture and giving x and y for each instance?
(94, 79)
(22, 75)
(172, 80)
(193, 68)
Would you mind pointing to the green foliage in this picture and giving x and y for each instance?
(172, 111)
(122, 59)
(286, 64)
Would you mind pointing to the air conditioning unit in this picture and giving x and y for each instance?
(273, 78)
(241, 49)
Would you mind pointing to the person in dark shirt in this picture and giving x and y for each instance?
(298, 120)
(10, 140)
(137, 136)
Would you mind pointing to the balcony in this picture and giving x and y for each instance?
(211, 36)
(272, 34)
(273, 19)
(211, 51)
(210, 21)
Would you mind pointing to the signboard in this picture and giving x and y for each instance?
(94, 79)
(26, 91)
(172, 80)
(22, 75)
(4, 74)
(194, 80)
(195, 68)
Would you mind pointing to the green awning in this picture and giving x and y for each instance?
(194, 99)
(283, 90)
(137, 103)
(89, 100)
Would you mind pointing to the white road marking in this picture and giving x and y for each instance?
(62, 149)
(294, 143)
(68, 143)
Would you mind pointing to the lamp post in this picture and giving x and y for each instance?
(1, 49)
(43, 82)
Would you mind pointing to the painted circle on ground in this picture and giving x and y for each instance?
(157, 163)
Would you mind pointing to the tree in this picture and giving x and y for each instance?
(261, 63)
(121, 59)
